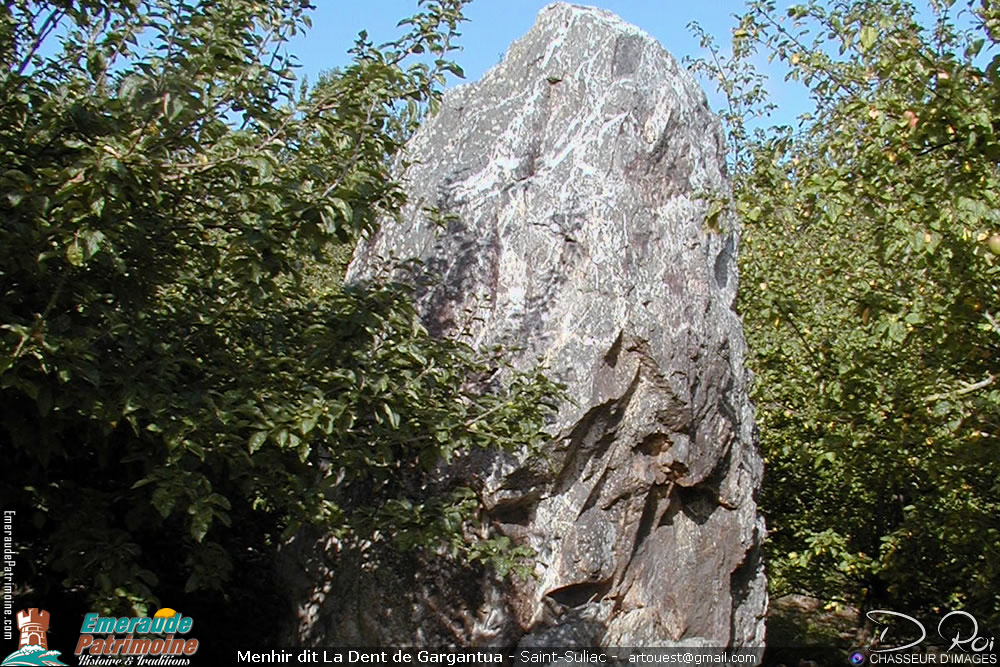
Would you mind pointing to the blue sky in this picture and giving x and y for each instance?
(494, 24)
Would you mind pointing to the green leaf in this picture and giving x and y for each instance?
(263, 165)
(824, 457)
(344, 208)
(392, 416)
(163, 500)
(74, 253)
(257, 441)
(307, 425)
(897, 331)
(868, 35)
(92, 240)
(200, 522)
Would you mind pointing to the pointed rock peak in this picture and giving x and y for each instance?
(567, 35)
(565, 13)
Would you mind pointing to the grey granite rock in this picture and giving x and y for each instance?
(579, 171)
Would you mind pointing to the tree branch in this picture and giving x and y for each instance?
(968, 389)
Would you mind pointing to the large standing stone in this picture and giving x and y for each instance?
(580, 170)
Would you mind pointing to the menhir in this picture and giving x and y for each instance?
(579, 171)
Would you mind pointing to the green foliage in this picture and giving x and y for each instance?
(181, 381)
(871, 300)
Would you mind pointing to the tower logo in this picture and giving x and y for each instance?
(33, 646)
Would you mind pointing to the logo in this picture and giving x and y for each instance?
(902, 637)
(966, 631)
(137, 640)
(33, 647)
(857, 657)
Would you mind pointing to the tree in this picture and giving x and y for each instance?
(871, 299)
(182, 383)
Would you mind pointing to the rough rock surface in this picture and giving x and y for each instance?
(580, 170)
